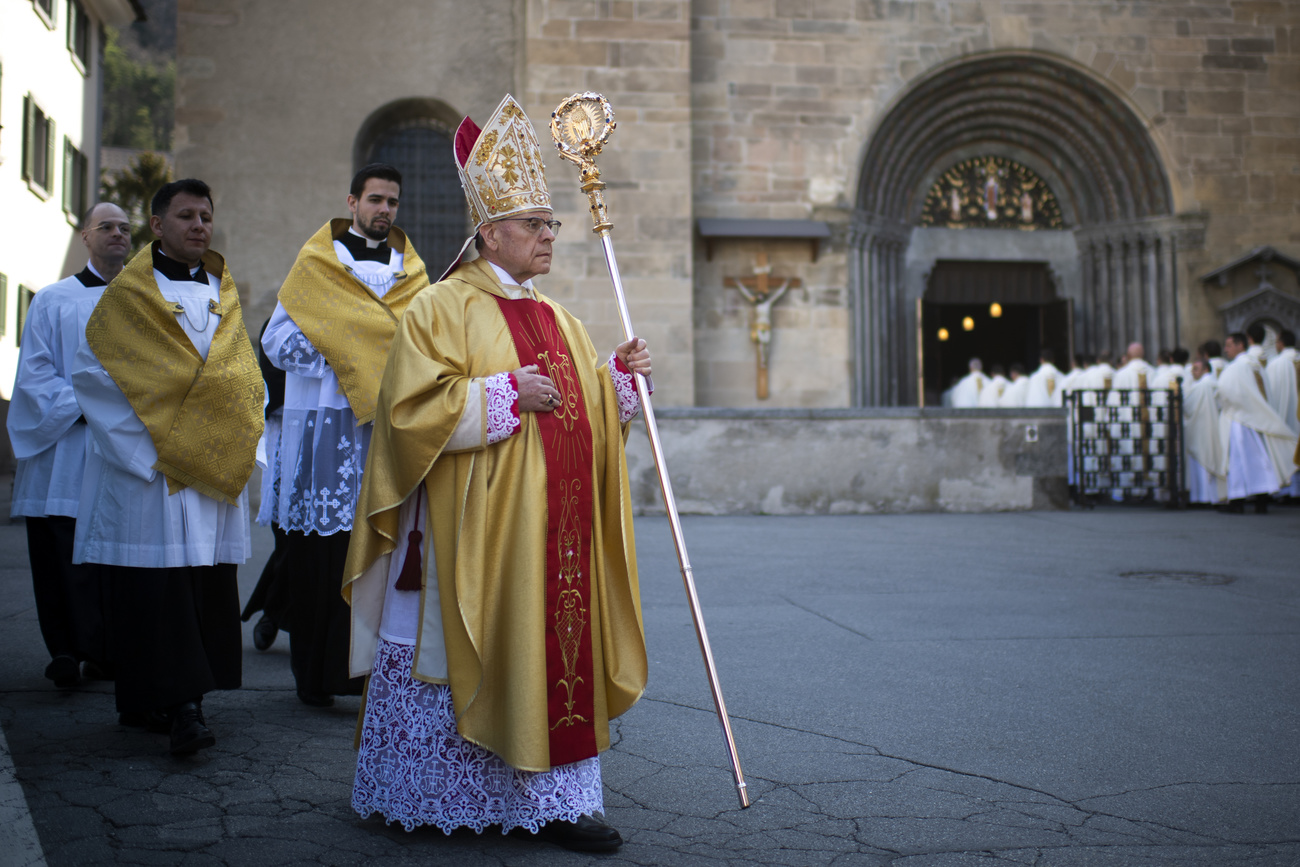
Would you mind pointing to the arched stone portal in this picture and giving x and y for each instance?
(1116, 259)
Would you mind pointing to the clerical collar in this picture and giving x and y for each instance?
(89, 277)
(177, 272)
(505, 278)
(359, 246)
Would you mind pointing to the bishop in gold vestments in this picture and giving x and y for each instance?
(492, 573)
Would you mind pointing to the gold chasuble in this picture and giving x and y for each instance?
(345, 321)
(539, 608)
(204, 416)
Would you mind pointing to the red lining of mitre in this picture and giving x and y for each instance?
(466, 135)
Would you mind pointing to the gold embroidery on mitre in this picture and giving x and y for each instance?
(505, 174)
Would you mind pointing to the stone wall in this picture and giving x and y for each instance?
(818, 462)
(270, 98)
(638, 55)
(787, 95)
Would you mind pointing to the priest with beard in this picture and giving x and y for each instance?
(1259, 445)
(492, 573)
(48, 435)
(330, 333)
(172, 395)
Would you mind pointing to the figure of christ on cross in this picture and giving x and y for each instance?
(759, 292)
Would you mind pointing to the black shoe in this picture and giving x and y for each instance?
(92, 670)
(588, 834)
(264, 633)
(315, 699)
(1261, 505)
(64, 670)
(189, 734)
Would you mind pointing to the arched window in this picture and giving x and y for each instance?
(415, 135)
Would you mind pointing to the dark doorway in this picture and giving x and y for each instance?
(1028, 318)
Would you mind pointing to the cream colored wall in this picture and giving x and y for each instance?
(38, 242)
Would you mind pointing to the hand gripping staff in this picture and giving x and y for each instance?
(581, 126)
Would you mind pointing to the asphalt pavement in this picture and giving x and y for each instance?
(1107, 687)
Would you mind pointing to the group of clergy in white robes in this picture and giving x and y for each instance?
(1240, 413)
(1240, 421)
(1042, 388)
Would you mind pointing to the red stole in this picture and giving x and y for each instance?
(566, 441)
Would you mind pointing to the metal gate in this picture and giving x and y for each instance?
(1126, 445)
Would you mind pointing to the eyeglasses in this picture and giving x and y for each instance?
(108, 228)
(534, 224)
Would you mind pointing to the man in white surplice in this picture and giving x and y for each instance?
(1013, 396)
(1045, 383)
(1281, 378)
(1206, 467)
(1260, 448)
(966, 393)
(334, 320)
(1134, 372)
(48, 435)
(992, 390)
(164, 503)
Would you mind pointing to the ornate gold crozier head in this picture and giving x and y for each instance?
(581, 126)
(500, 165)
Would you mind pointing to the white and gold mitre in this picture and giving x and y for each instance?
(500, 165)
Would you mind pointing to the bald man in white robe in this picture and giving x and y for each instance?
(966, 393)
(1135, 372)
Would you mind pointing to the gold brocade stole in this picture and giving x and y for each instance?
(204, 417)
(345, 321)
(567, 443)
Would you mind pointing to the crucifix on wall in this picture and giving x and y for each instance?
(760, 292)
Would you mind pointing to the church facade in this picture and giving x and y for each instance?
(812, 199)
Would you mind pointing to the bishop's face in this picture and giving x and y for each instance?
(185, 231)
(374, 211)
(519, 245)
(1231, 348)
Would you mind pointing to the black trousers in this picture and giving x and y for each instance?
(272, 594)
(320, 623)
(72, 600)
(176, 634)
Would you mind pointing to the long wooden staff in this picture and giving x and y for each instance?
(581, 126)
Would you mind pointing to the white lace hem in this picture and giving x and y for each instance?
(413, 768)
(629, 402)
(502, 410)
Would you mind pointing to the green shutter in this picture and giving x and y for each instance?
(4, 303)
(68, 169)
(29, 136)
(50, 139)
(25, 296)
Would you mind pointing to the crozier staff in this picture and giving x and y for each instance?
(492, 572)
